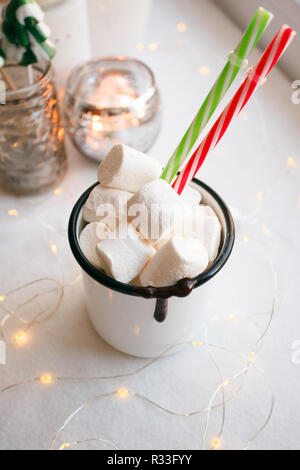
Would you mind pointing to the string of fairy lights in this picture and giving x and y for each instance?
(220, 397)
(128, 394)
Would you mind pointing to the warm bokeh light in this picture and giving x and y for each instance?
(251, 357)
(61, 134)
(260, 196)
(21, 337)
(204, 70)
(232, 316)
(181, 27)
(13, 212)
(246, 239)
(266, 231)
(153, 46)
(53, 248)
(215, 443)
(290, 162)
(137, 330)
(123, 393)
(2, 298)
(46, 379)
(197, 343)
(64, 446)
(97, 125)
(140, 46)
(57, 191)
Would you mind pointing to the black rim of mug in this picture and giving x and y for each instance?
(128, 289)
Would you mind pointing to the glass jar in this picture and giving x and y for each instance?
(32, 154)
(109, 101)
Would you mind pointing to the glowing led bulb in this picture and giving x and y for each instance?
(260, 196)
(153, 46)
(97, 125)
(181, 27)
(123, 393)
(137, 330)
(251, 357)
(13, 212)
(215, 443)
(246, 239)
(225, 384)
(64, 446)
(204, 70)
(290, 162)
(2, 298)
(197, 343)
(46, 379)
(21, 337)
(53, 248)
(57, 191)
(232, 317)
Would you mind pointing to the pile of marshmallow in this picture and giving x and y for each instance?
(119, 242)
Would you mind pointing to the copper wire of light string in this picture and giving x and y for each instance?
(207, 410)
(245, 371)
(211, 405)
(12, 313)
(131, 393)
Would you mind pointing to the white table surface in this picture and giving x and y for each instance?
(251, 159)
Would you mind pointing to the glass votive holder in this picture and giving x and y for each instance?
(32, 154)
(109, 101)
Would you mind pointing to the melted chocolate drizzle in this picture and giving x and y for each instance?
(182, 289)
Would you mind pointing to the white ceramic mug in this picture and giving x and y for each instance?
(125, 316)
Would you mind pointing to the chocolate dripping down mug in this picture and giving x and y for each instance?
(145, 322)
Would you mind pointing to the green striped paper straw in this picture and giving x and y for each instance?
(236, 60)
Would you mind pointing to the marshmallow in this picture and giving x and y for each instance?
(207, 228)
(91, 235)
(106, 205)
(191, 196)
(123, 259)
(126, 168)
(155, 210)
(212, 237)
(178, 259)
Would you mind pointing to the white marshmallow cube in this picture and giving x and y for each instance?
(191, 196)
(212, 236)
(89, 238)
(128, 169)
(155, 210)
(106, 205)
(179, 258)
(123, 259)
(207, 228)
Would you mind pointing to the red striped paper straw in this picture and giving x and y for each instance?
(254, 79)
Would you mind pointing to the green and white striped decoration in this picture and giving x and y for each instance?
(25, 35)
(237, 59)
(2, 58)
